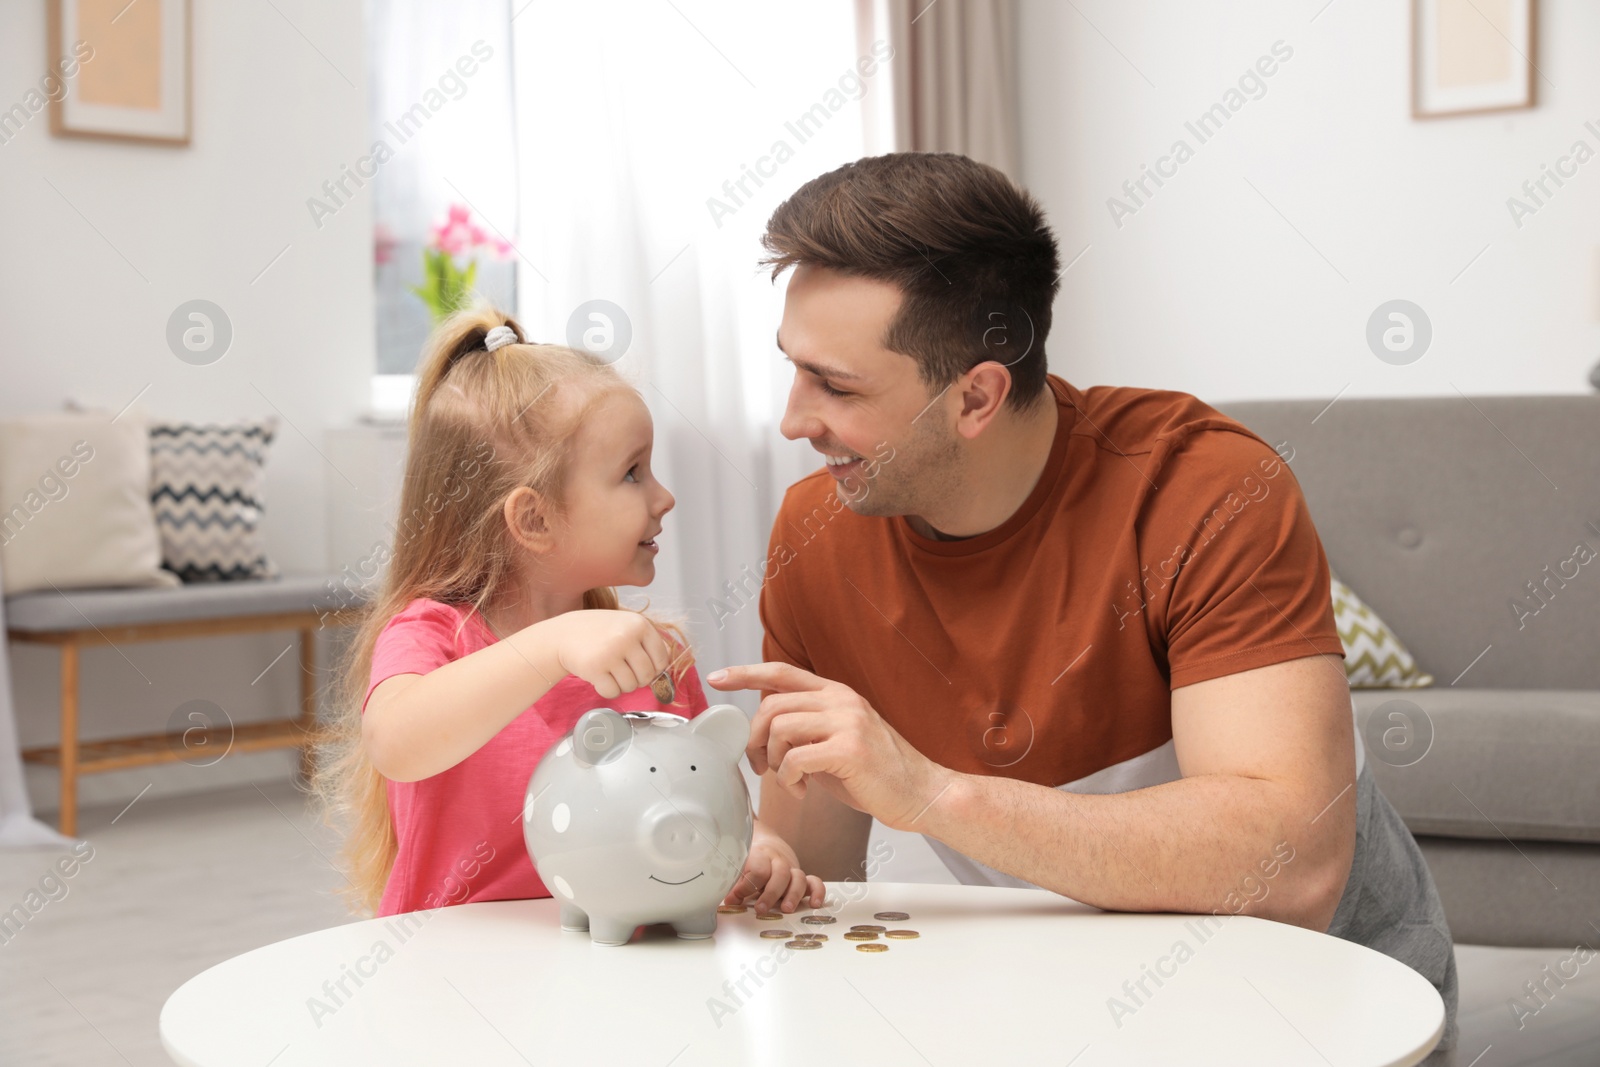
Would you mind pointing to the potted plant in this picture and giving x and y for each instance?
(447, 286)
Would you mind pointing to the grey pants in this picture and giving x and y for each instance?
(1390, 903)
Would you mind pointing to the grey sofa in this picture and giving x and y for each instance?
(1443, 514)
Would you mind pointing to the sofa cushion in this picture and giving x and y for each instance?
(75, 489)
(206, 490)
(1374, 658)
(79, 609)
(1487, 763)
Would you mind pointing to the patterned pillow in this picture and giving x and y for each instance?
(1374, 658)
(205, 489)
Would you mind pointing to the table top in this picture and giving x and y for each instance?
(996, 975)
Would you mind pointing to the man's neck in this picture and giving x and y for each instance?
(1000, 476)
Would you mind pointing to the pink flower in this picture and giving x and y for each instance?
(383, 243)
(457, 234)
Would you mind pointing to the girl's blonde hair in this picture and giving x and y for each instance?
(483, 424)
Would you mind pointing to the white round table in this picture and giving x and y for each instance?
(1013, 976)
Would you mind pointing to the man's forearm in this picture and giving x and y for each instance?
(828, 836)
(1204, 844)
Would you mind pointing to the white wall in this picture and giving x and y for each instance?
(1209, 290)
(275, 115)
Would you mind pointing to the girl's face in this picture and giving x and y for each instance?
(614, 503)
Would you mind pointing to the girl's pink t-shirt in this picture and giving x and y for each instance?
(460, 831)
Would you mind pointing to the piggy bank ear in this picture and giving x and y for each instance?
(724, 726)
(600, 736)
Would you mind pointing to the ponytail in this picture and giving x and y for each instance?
(461, 335)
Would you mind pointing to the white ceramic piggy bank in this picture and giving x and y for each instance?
(641, 817)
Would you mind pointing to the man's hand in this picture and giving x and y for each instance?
(813, 728)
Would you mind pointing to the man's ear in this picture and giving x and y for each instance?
(528, 518)
(984, 389)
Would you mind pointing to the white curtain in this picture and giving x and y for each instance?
(955, 85)
(644, 129)
(18, 827)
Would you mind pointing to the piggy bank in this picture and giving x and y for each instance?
(641, 817)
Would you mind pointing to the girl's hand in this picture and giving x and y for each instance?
(772, 870)
(614, 651)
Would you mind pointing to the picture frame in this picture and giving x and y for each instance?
(132, 69)
(1472, 57)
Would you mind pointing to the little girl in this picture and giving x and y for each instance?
(527, 498)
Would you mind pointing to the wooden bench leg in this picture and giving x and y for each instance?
(308, 697)
(68, 817)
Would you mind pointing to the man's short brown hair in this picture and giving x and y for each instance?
(967, 246)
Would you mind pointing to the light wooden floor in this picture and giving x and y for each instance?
(178, 884)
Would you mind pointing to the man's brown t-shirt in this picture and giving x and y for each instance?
(1163, 544)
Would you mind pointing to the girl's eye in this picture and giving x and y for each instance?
(631, 472)
(831, 391)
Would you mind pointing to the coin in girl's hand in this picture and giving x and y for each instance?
(662, 687)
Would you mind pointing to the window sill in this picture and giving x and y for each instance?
(390, 402)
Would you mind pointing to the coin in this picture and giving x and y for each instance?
(811, 937)
(892, 916)
(662, 687)
(902, 935)
(777, 933)
(802, 944)
(819, 920)
(874, 946)
(732, 909)
(861, 935)
(769, 914)
(869, 926)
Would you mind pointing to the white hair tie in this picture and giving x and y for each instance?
(499, 337)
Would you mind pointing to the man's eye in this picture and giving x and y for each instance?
(831, 391)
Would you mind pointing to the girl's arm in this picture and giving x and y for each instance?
(417, 725)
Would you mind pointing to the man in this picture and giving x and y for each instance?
(1082, 640)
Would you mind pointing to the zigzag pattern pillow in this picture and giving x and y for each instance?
(1374, 658)
(205, 490)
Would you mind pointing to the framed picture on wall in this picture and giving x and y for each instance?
(131, 81)
(1471, 56)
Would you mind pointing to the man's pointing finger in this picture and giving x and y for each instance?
(772, 677)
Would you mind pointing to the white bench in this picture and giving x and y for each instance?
(79, 618)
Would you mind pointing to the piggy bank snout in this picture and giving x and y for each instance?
(679, 834)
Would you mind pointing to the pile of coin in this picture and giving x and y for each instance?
(865, 935)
